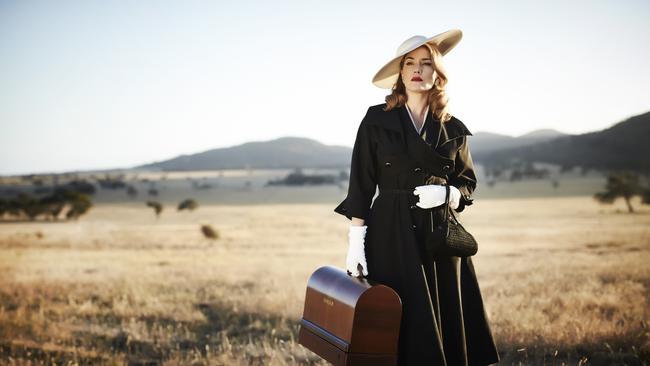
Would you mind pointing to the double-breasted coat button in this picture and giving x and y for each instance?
(414, 226)
(413, 207)
(388, 164)
(417, 169)
(446, 167)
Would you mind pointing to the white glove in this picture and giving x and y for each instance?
(433, 195)
(356, 253)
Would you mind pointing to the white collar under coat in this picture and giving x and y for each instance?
(426, 111)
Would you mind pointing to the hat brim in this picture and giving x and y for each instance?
(387, 76)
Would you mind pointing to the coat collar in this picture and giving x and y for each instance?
(390, 120)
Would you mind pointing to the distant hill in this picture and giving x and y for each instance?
(298, 152)
(544, 133)
(281, 153)
(483, 142)
(622, 146)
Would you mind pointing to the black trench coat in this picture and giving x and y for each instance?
(444, 321)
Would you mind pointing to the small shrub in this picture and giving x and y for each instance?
(209, 232)
(188, 204)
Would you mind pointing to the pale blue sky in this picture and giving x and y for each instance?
(108, 84)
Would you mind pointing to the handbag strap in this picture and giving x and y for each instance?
(446, 205)
(448, 210)
(451, 211)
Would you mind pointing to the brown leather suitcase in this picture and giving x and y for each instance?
(350, 321)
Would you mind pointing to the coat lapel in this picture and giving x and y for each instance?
(427, 157)
(391, 120)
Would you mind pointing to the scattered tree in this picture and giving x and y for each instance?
(298, 178)
(50, 206)
(188, 204)
(31, 206)
(80, 204)
(621, 184)
(201, 185)
(157, 207)
(555, 183)
(645, 196)
(131, 191)
(112, 182)
(54, 205)
(81, 186)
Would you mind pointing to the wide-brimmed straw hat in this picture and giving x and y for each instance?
(386, 77)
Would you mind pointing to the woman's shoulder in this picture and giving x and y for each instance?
(377, 108)
(374, 114)
(457, 126)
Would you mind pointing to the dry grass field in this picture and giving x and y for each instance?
(565, 280)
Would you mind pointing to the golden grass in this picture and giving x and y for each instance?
(119, 286)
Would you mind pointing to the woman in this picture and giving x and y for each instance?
(411, 147)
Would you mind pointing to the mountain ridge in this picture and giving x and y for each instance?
(613, 147)
(622, 146)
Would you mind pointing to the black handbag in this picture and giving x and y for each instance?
(449, 237)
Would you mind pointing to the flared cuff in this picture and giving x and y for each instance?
(348, 209)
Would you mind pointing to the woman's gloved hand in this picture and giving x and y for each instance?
(356, 253)
(433, 195)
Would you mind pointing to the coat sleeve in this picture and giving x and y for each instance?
(363, 178)
(464, 176)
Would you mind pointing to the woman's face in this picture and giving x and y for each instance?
(417, 72)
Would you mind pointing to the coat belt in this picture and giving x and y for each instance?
(396, 191)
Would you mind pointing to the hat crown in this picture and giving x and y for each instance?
(410, 44)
